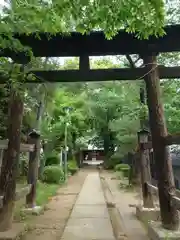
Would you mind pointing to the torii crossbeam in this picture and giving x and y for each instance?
(95, 44)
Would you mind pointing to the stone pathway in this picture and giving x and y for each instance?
(78, 212)
(89, 219)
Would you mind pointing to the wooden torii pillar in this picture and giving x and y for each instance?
(10, 160)
(32, 177)
(166, 186)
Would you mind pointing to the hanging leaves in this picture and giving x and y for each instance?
(144, 17)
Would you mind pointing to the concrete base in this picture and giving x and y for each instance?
(147, 214)
(17, 230)
(37, 210)
(157, 232)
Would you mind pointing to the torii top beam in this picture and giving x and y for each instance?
(95, 44)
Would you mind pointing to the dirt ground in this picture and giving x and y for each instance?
(124, 198)
(51, 224)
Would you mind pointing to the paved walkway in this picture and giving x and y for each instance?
(79, 212)
(89, 219)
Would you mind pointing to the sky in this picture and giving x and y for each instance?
(2, 2)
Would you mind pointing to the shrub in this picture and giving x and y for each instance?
(121, 166)
(72, 167)
(124, 168)
(113, 161)
(53, 159)
(53, 174)
(125, 172)
(116, 158)
(24, 167)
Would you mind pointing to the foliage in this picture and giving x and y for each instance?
(45, 192)
(117, 157)
(113, 161)
(127, 124)
(170, 91)
(43, 195)
(52, 159)
(121, 166)
(23, 165)
(145, 17)
(103, 113)
(125, 172)
(124, 168)
(106, 114)
(109, 164)
(72, 167)
(53, 174)
(103, 107)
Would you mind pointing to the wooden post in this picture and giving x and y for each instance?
(136, 170)
(33, 169)
(145, 170)
(10, 160)
(166, 186)
(1, 158)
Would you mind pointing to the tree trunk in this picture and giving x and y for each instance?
(33, 171)
(4, 98)
(108, 144)
(143, 102)
(10, 160)
(39, 113)
(38, 126)
(74, 146)
(169, 214)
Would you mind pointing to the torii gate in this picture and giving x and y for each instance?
(95, 44)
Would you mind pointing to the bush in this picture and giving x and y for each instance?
(124, 168)
(113, 161)
(24, 168)
(72, 167)
(23, 165)
(121, 166)
(125, 172)
(53, 159)
(53, 174)
(116, 158)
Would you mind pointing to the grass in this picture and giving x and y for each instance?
(126, 187)
(119, 175)
(44, 194)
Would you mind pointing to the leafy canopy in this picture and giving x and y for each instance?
(143, 16)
